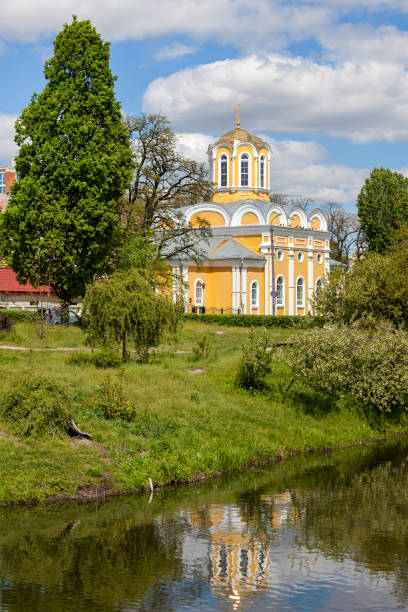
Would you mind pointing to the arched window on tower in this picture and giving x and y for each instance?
(319, 285)
(244, 170)
(280, 291)
(300, 293)
(262, 171)
(224, 170)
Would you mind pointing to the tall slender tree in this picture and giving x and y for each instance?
(74, 162)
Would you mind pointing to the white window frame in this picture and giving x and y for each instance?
(319, 258)
(317, 281)
(255, 285)
(241, 155)
(262, 160)
(2, 182)
(199, 303)
(279, 255)
(220, 160)
(300, 256)
(302, 303)
(280, 304)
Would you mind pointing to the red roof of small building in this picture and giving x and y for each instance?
(10, 284)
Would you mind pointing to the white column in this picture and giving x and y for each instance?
(310, 281)
(244, 289)
(238, 286)
(233, 171)
(233, 290)
(175, 272)
(185, 287)
(256, 181)
(266, 284)
(271, 281)
(291, 304)
(327, 263)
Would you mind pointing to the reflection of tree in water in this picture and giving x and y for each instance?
(364, 518)
(97, 573)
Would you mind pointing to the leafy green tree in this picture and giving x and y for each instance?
(375, 286)
(74, 162)
(382, 206)
(124, 307)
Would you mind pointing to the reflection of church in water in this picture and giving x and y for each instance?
(239, 555)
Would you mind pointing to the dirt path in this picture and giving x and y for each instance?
(59, 348)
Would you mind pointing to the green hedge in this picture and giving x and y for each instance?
(240, 320)
(32, 316)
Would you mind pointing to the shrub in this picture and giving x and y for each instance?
(105, 359)
(79, 358)
(370, 365)
(21, 316)
(100, 359)
(202, 349)
(255, 362)
(111, 400)
(35, 405)
(6, 322)
(243, 320)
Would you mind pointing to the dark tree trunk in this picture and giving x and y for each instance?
(64, 312)
(124, 351)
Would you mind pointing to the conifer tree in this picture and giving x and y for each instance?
(74, 162)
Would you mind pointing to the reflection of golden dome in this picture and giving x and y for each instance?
(240, 135)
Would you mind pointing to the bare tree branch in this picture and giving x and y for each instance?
(163, 181)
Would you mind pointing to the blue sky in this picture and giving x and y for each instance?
(325, 81)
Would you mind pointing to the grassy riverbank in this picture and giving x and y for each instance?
(188, 424)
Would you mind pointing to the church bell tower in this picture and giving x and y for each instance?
(240, 165)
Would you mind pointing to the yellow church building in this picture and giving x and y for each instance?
(262, 258)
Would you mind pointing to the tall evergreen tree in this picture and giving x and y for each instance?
(382, 206)
(74, 162)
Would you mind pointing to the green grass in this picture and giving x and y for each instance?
(55, 336)
(187, 425)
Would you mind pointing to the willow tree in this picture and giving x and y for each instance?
(74, 162)
(124, 309)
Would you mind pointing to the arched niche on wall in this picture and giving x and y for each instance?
(249, 218)
(215, 219)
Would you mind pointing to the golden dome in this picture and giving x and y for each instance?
(240, 135)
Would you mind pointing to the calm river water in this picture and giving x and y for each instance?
(318, 533)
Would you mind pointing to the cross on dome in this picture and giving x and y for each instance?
(237, 110)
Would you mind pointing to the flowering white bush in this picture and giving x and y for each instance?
(371, 365)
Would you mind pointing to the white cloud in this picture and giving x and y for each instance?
(264, 25)
(365, 43)
(363, 102)
(174, 51)
(8, 149)
(194, 145)
(301, 169)
(233, 21)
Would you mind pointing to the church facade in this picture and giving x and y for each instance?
(262, 258)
